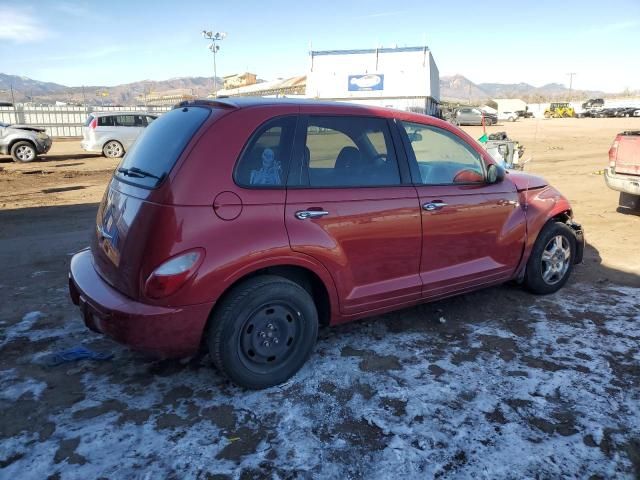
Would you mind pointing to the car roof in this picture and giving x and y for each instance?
(233, 103)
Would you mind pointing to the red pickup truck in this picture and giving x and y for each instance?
(623, 174)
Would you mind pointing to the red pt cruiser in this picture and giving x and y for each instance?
(241, 225)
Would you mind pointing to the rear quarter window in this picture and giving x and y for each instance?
(156, 151)
(106, 121)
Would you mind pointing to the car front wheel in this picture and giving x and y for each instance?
(23, 152)
(263, 331)
(551, 260)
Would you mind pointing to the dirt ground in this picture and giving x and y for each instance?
(494, 384)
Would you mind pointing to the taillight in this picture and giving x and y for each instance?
(173, 274)
(613, 153)
(93, 124)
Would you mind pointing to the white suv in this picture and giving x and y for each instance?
(113, 133)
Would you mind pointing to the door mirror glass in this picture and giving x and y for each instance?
(495, 174)
(415, 137)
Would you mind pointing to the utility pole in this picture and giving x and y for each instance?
(214, 47)
(571, 75)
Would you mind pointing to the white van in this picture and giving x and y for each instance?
(113, 133)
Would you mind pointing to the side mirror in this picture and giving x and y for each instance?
(495, 173)
(415, 137)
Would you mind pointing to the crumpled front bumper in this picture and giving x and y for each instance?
(579, 234)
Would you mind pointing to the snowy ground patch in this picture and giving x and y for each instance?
(548, 391)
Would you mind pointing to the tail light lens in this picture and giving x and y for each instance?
(173, 274)
(93, 124)
(613, 153)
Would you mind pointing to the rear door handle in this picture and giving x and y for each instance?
(431, 206)
(304, 214)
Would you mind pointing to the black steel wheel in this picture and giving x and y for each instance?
(263, 331)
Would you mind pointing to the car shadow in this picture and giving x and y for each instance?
(56, 158)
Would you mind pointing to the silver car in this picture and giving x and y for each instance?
(23, 142)
(113, 133)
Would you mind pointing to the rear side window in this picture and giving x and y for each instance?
(350, 151)
(265, 159)
(158, 148)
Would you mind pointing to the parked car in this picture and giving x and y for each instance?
(113, 133)
(524, 113)
(623, 174)
(606, 113)
(593, 103)
(23, 142)
(626, 111)
(473, 116)
(241, 225)
(508, 116)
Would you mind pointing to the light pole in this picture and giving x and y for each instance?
(214, 38)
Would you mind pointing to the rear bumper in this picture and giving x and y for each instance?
(161, 331)
(622, 183)
(88, 146)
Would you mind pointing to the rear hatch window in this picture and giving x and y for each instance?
(156, 151)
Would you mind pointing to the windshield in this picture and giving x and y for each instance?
(155, 152)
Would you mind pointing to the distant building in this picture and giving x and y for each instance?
(405, 78)
(239, 80)
(278, 88)
(165, 98)
(510, 105)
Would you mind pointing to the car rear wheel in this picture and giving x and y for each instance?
(551, 260)
(263, 331)
(113, 149)
(23, 152)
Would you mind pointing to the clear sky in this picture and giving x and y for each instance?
(110, 42)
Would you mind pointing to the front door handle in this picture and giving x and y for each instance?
(304, 214)
(431, 206)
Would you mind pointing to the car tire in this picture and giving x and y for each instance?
(23, 152)
(512, 119)
(551, 260)
(263, 331)
(113, 149)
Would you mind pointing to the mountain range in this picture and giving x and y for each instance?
(456, 88)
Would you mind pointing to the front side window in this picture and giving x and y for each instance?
(265, 159)
(442, 157)
(349, 151)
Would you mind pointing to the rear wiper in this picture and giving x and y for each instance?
(138, 173)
